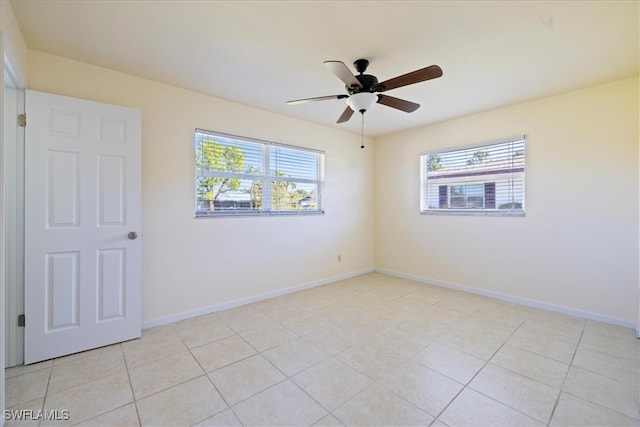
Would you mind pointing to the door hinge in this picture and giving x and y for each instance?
(22, 120)
(21, 320)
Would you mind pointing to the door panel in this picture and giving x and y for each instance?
(62, 290)
(82, 198)
(63, 191)
(111, 190)
(111, 284)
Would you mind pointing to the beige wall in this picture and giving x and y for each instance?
(192, 263)
(576, 247)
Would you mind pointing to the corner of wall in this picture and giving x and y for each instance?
(15, 52)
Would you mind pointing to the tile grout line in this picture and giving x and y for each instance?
(118, 407)
(288, 377)
(133, 395)
(46, 391)
(465, 386)
(564, 380)
(260, 353)
(130, 388)
(206, 374)
(595, 373)
(435, 418)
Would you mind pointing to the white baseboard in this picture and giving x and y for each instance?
(514, 299)
(492, 294)
(159, 321)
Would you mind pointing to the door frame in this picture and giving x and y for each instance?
(13, 217)
(15, 76)
(2, 240)
(13, 212)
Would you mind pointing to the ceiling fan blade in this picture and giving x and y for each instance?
(397, 103)
(346, 115)
(427, 73)
(319, 98)
(343, 73)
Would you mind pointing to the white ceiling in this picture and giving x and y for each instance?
(264, 53)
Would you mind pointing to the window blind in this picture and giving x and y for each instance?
(479, 179)
(242, 176)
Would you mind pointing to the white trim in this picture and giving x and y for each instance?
(13, 78)
(515, 138)
(160, 321)
(247, 300)
(13, 211)
(2, 238)
(478, 212)
(514, 299)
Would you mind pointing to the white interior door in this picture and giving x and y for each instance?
(82, 208)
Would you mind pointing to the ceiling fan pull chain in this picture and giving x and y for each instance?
(362, 132)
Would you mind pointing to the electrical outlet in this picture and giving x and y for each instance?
(339, 258)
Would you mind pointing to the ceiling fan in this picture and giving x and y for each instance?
(363, 89)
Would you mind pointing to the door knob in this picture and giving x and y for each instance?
(132, 235)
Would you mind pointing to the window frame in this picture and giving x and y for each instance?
(495, 211)
(465, 194)
(265, 178)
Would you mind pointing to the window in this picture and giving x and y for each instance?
(485, 179)
(242, 176)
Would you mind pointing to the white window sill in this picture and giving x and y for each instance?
(245, 214)
(474, 212)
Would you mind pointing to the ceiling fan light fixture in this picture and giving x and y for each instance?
(362, 101)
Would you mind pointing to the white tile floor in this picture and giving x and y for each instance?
(372, 350)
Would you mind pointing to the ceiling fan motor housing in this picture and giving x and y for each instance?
(368, 82)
